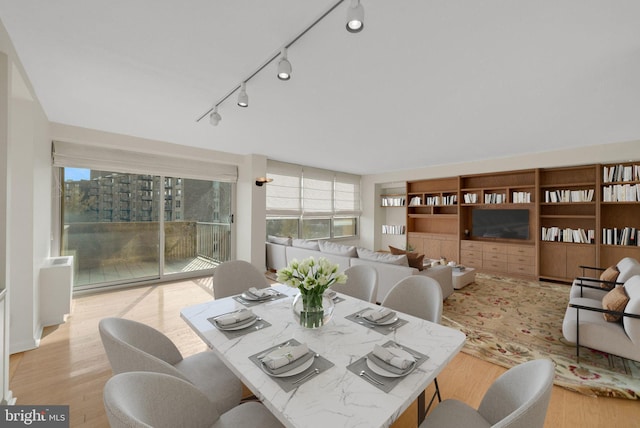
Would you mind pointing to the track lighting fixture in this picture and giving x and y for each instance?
(243, 98)
(355, 17)
(284, 66)
(355, 24)
(214, 117)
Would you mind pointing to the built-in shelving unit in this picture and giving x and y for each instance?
(619, 212)
(432, 217)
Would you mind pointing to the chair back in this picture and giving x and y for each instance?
(417, 295)
(628, 267)
(143, 399)
(519, 397)
(632, 325)
(133, 346)
(362, 283)
(234, 277)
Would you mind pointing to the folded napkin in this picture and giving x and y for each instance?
(394, 358)
(377, 315)
(263, 292)
(286, 358)
(235, 318)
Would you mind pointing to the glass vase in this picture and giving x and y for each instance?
(312, 310)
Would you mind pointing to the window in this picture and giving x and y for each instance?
(311, 203)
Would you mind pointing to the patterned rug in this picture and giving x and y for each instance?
(509, 321)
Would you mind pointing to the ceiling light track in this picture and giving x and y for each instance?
(284, 67)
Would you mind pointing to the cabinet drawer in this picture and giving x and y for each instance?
(471, 254)
(522, 250)
(495, 248)
(496, 257)
(471, 262)
(494, 265)
(521, 269)
(522, 260)
(471, 245)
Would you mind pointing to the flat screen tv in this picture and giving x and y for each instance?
(500, 223)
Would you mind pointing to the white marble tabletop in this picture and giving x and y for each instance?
(337, 397)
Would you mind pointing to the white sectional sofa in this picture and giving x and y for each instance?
(391, 269)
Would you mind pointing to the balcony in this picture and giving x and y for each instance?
(128, 251)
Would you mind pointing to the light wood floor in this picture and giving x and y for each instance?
(70, 366)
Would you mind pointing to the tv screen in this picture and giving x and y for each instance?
(500, 223)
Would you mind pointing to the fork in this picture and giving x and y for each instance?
(307, 376)
(370, 378)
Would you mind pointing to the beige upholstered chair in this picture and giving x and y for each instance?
(144, 399)
(420, 296)
(585, 325)
(362, 283)
(235, 276)
(519, 398)
(595, 288)
(133, 346)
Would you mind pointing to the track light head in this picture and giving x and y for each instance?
(243, 98)
(284, 66)
(214, 117)
(355, 17)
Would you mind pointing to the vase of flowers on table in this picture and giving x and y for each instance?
(312, 278)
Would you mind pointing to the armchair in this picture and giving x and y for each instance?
(585, 325)
(597, 287)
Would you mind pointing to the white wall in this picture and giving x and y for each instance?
(372, 218)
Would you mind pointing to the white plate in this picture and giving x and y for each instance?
(387, 322)
(302, 367)
(238, 326)
(382, 372)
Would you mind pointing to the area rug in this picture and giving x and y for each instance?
(508, 321)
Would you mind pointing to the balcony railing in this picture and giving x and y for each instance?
(213, 241)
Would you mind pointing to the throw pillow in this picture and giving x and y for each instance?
(610, 274)
(415, 260)
(303, 243)
(282, 240)
(615, 300)
(338, 249)
(365, 254)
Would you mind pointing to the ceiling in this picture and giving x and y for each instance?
(425, 83)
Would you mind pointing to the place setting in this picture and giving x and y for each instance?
(255, 296)
(382, 320)
(291, 364)
(330, 294)
(386, 365)
(238, 323)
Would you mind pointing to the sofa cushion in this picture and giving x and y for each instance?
(282, 240)
(305, 243)
(338, 249)
(365, 254)
(610, 274)
(615, 300)
(415, 260)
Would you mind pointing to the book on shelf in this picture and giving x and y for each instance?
(559, 234)
(470, 198)
(521, 197)
(567, 195)
(393, 201)
(621, 193)
(415, 201)
(393, 229)
(624, 236)
(621, 173)
(495, 198)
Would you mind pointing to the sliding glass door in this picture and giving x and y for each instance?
(128, 228)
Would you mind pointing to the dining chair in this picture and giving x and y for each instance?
(420, 296)
(134, 346)
(519, 398)
(144, 399)
(235, 276)
(362, 283)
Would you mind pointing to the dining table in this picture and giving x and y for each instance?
(338, 387)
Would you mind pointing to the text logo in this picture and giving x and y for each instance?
(34, 416)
